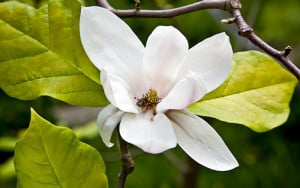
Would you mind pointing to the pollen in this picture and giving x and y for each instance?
(152, 97)
(149, 100)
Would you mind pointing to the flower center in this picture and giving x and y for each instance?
(148, 100)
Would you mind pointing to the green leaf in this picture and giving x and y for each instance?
(51, 156)
(41, 54)
(87, 131)
(256, 93)
(7, 143)
(7, 170)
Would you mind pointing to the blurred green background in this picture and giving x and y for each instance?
(266, 160)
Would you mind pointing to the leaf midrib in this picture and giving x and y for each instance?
(242, 92)
(44, 46)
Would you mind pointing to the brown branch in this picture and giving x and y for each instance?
(168, 13)
(190, 174)
(232, 6)
(127, 163)
(246, 31)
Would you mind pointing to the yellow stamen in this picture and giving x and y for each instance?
(152, 97)
(149, 100)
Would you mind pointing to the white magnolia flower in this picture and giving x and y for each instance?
(151, 86)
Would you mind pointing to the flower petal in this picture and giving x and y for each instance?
(117, 92)
(109, 42)
(151, 134)
(201, 142)
(212, 59)
(185, 92)
(108, 119)
(165, 52)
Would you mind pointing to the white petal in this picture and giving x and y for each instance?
(118, 92)
(108, 119)
(165, 52)
(151, 135)
(109, 42)
(201, 142)
(186, 91)
(212, 59)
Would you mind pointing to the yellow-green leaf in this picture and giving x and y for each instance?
(51, 156)
(256, 93)
(41, 54)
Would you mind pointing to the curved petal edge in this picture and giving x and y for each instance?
(201, 142)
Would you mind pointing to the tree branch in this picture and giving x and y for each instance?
(231, 6)
(127, 162)
(168, 13)
(246, 31)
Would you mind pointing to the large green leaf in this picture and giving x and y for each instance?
(41, 54)
(256, 94)
(51, 156)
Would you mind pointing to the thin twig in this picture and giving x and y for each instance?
(231, 6)
(137, 4)
(127, 163)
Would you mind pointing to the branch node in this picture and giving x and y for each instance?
(127, 163)
(245, 31)
(287, 50)
(235, 4)
(137, 5)
(228, 20)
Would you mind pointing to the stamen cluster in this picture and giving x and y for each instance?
(149, 100)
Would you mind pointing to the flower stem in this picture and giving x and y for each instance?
(127, 163)
(190, 173)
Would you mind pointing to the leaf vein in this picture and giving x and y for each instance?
(246, 91)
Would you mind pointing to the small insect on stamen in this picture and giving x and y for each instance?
(148, 101)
